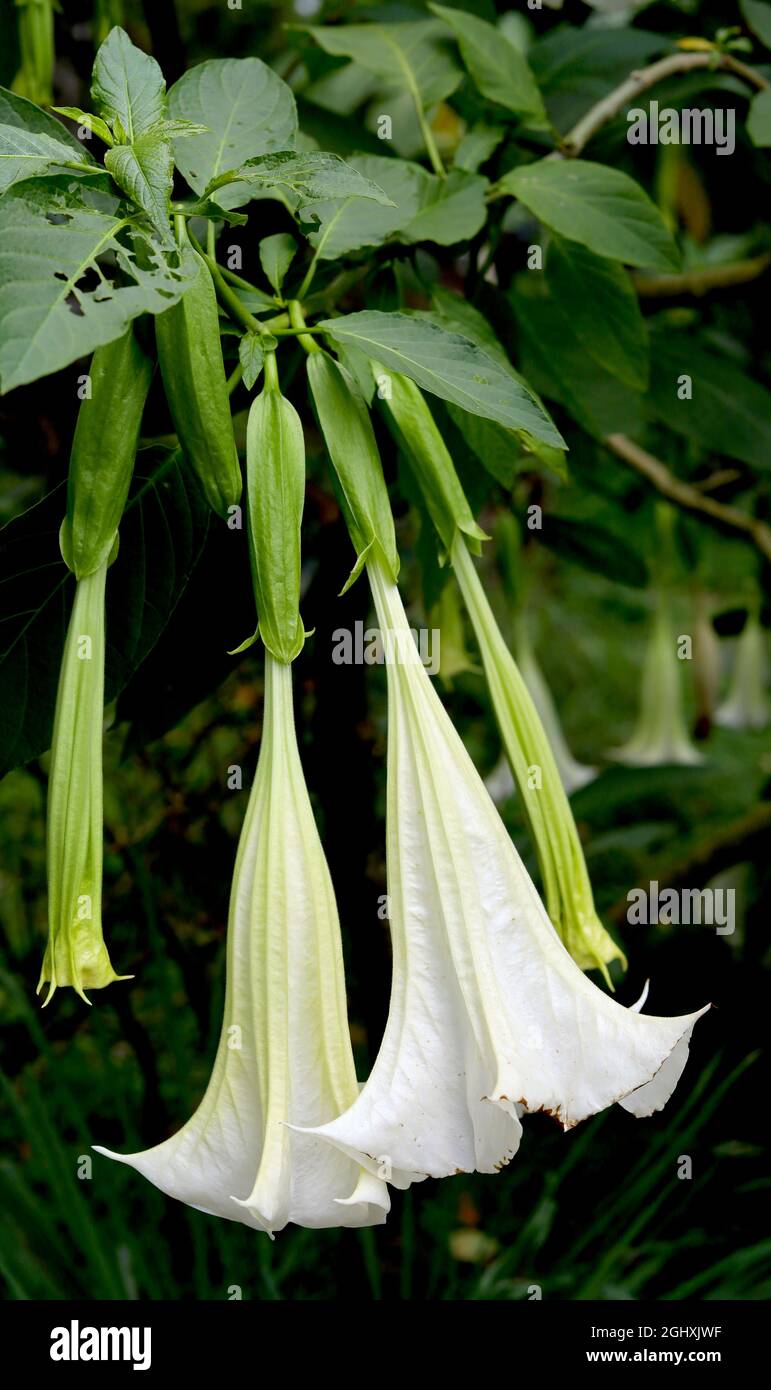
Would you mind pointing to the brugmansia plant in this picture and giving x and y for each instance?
(405, 403)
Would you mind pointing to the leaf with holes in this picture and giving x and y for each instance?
(55, 235)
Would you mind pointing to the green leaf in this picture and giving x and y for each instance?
(759, 118)
(728, 412)
(412, 55)
(144, 172)
(143, 587)
(31, 140)
(127, 85)
(757, 17)
(425, 208)
(85, 118)
(599, 301)
(560, 368)
(311, 177)
(597, 206)
(52, 233)
(575, 68)
(251, 355)
(276, 255)
(446, 364)
(477, 145)
(248, 111)
(499, 70)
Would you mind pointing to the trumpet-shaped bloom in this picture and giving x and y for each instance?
(76, 954)
(490, 1017)
(567, 886)
(661, 735)
(573, 774)
(284, 1057)
(747, 705)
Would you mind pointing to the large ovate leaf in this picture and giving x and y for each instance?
(559, 367)
(144, 172)
(447, 365)
(57, 301)
(425, 208)
(412, 55)
(31, 141)
(498, 69)
(598, 299)
(727, 413)
(127, 85)
(143, 587)
(247, 109)
(600, 207)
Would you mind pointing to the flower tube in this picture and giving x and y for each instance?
(284, 1060)
(284, 1055)
(660, 735)
(747, 705)
(490, 1017)
(567, 887)
(76, 954)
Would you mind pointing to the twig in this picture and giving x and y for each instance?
(687, 495)
(637, 82)
(700, 281)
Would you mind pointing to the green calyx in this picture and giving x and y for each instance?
(352, 447)
(275, 481)
(103, 453)
(566, 883)
(416, 431)
(193, 371)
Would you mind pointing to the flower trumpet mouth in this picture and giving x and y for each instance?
(490, 1017)
(284, 1060)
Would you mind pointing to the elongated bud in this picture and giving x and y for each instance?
(350, 441)
(76, 954)
(103, 453)
(275, 480)
(190, 354)
(416, 430)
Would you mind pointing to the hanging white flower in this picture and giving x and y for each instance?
(490, 1017)
(284, 1057)
(747, 705)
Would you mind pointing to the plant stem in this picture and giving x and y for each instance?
(297, 320)
(227, 296)
(637, 82)
(687, 495)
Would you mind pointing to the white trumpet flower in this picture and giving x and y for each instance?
(284, 1057)
(490, 1017)
(747, 705)
(661, 735)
